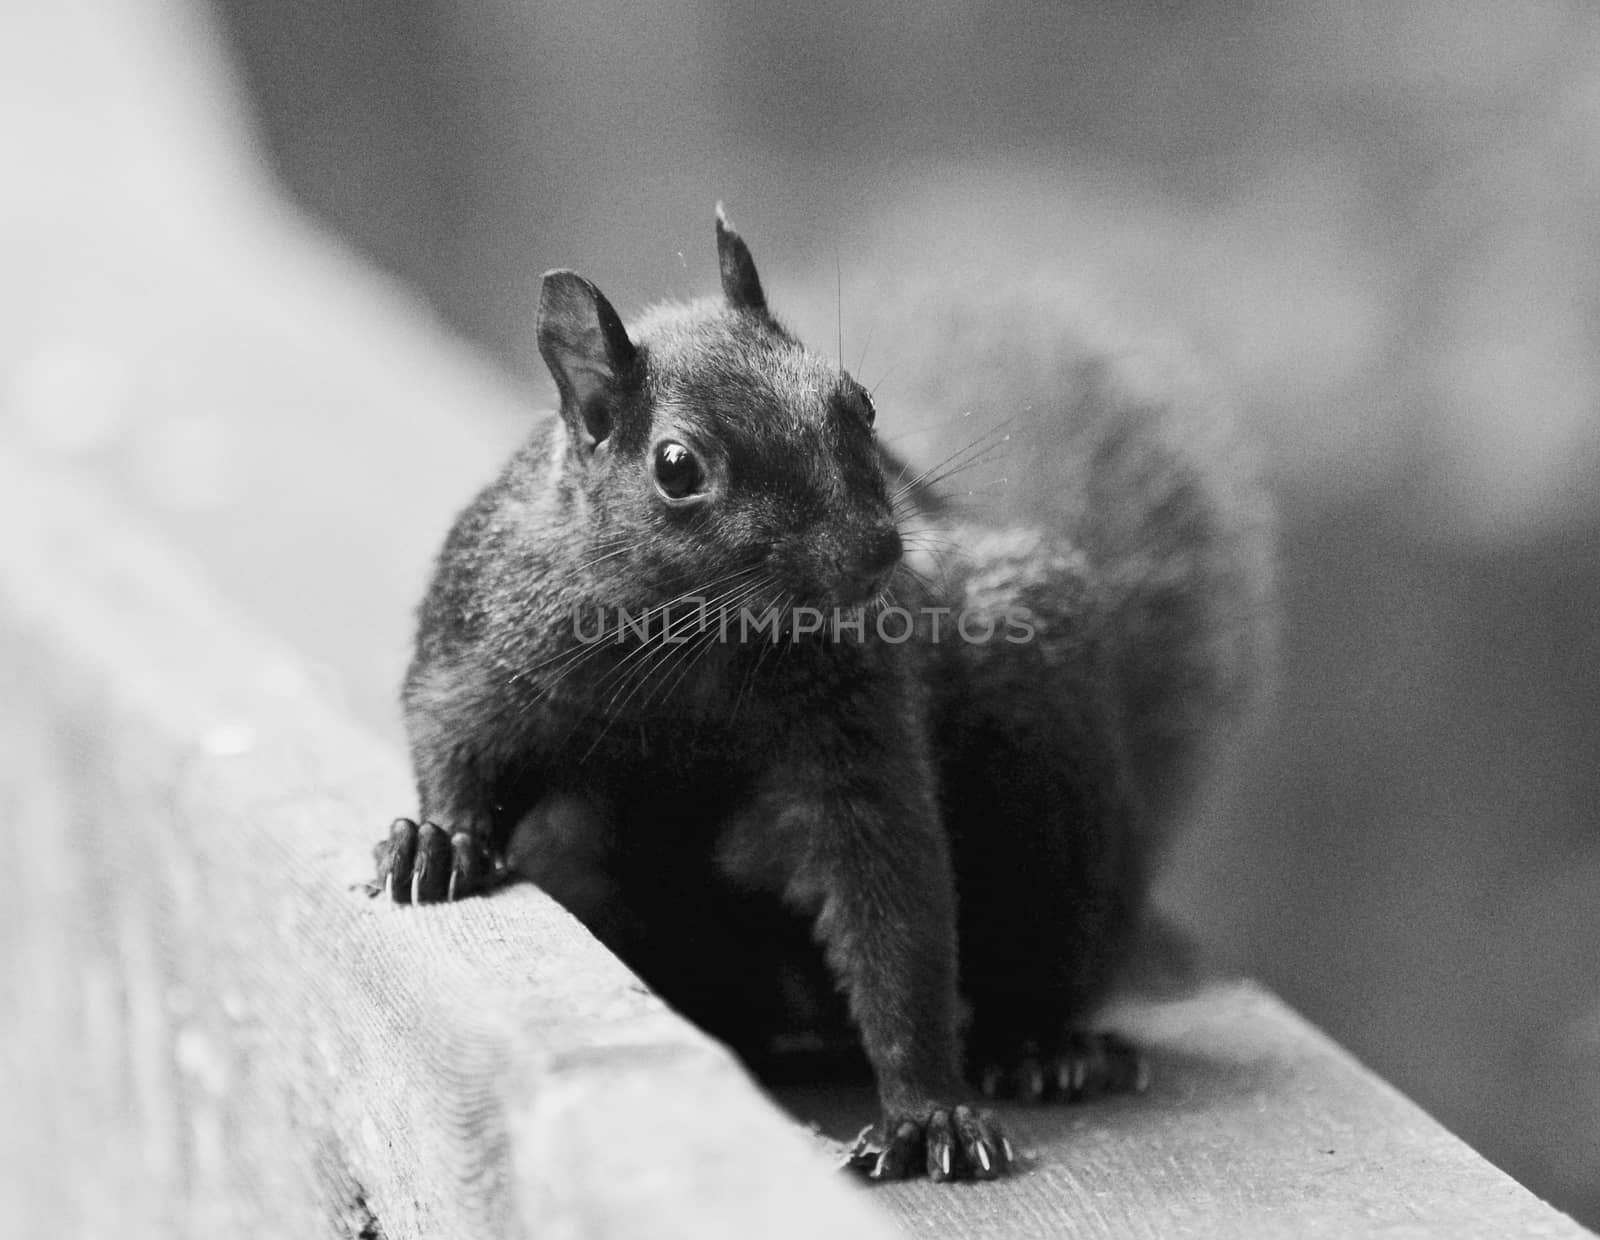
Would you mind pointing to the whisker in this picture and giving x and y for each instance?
(862, 360)
(686, 654)
(625, 546)
(652, 640)
(929, 428)
(661, 657)
(654, 655)
(962, 458)
(693, 654)
(750, 674)
(957, 470)
(568, 660)
(838, 302)
(929, 536)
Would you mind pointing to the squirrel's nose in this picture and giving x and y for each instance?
(879, 553)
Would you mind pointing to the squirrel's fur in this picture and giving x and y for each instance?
(961, 825)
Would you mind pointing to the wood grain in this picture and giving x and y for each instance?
(1255, 1125)
(216, 1031)
(211, 1031)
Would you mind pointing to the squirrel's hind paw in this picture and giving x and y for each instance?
(1086, 1065)
(425, 864)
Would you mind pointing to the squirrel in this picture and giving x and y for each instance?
(785, 729)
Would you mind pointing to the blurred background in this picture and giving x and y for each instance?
(1376, 224)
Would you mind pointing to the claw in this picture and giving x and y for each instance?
(466, 866)
(416, 882)
(396, 853)
(950, 1143)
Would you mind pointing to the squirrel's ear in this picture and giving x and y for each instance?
(582, 341)
(740, 284)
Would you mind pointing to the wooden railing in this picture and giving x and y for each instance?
(211, 1030)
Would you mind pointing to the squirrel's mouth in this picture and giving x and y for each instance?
(862, 592)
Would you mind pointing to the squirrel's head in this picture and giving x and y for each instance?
(714, 449)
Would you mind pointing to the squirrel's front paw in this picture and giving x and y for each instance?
(1085, 1065)
(949, 1143)
(425, 864)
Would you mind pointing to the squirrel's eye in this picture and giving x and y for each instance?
(869, 411)
(678, 473)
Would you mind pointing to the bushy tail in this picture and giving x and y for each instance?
(1171, 515)
(1122, 451)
